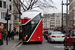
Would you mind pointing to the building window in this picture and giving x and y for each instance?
(9, 0)
(15, 1)
(15, 17)
(4, 4)
(15, 8)
(0, 3)
(52, 26)
(3, 15)
(10, 7)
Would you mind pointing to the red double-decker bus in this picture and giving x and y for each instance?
(31, 26)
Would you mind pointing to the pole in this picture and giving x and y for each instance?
(19, 14)
(62, 17)
(73, 17)
(66, 15)
(7, 28)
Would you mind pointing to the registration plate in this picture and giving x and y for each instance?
(32, 40)
(58, 36)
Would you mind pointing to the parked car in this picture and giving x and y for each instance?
(69, 41)
(46, 33)
(56, 36)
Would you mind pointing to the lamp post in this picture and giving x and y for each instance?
(66, 14)
(7, 28)
(62, 17)
(19, 16)
(7, 18)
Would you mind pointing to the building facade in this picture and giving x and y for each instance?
(71, 12)
(58, 19)
(52, 20)
(16, 15)
(4, 4)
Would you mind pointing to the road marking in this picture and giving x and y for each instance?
(16, 44)
(20, 44)
(58, 46)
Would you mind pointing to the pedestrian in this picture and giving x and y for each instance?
(12, 35)
(17, 33)
(9, 35)
(20, 35)
(1, 28)
(3, 35)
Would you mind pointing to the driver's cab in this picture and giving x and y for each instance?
(72, 33)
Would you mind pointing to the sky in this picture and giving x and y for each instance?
(57, 4)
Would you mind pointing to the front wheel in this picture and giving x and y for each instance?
(40, 42)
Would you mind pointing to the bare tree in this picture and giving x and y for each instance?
(30, 4)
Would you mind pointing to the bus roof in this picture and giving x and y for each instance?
(29, 14)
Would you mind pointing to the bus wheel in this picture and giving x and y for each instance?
(24, 42)
(40, 42)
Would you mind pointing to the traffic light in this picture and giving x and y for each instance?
(8, 17)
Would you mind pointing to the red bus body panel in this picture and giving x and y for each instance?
(37, 35)
(23, 21)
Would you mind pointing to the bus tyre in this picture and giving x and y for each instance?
(40, 42)
(24, 42)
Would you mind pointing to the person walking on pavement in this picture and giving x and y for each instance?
(17, 33)
(20, 35)
(12, 34)
(9, 35)
(1, 28)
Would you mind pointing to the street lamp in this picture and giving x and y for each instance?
(7, 18)
(19, 16)
(66, 14)
(62, 17)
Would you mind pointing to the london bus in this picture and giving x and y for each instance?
(31, 26)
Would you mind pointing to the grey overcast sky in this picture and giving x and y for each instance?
(57, 3)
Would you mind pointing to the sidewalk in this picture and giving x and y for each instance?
(11, 44)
